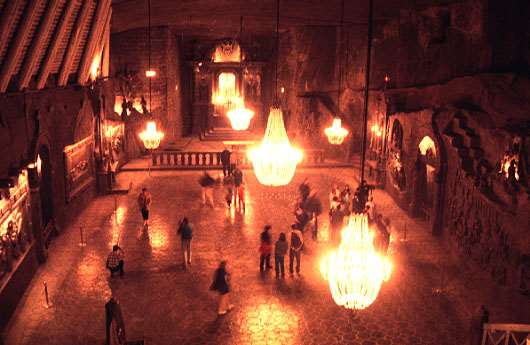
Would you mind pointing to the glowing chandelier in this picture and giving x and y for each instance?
(275, 160)
(151, 137)
(336, 133)
(355, 271)
(240, 118)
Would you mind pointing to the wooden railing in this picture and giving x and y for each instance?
(506, 334)
(212, 160)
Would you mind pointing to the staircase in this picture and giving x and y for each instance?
(467, 143)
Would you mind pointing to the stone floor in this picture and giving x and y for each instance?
(165, 305)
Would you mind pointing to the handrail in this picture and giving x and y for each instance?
(209, 159)
(505, 334)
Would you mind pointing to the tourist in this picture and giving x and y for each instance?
(370, 210)
(229, 184)
(185, 231)
(114, 325)
(241, 197)
(345, 199)
(265, 249)
(225, 160)
(221, 285)
(336, 221)
(115, 260)
(207, 182)
(297, 242)
(144, 203)
(334, 196)
(238, 181)
(280, 250)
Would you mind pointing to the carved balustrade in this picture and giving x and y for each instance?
(505, 334)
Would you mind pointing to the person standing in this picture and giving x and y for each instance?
(225, 160)
(336, 221)
(221, 285)
(295, 251)
(115, 260)
(241, 197)
(238, 181)
(280, 250)
(144, 203)
(185, 231)
(265, 249)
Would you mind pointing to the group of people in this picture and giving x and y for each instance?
(281, 247)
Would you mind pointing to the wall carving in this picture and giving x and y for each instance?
(78, 163)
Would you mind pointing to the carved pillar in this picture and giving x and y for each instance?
(36, 215)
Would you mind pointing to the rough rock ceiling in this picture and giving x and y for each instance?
(221, 17)
(39, 38)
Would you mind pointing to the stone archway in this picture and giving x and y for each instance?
(426, 167)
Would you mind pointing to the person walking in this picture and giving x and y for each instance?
(114, 325)
(336, 221)
(144, 203)
(280, 250)
(225, 160)
(207, 182)
(241, 197)
(265, 249)
(115, 261)
(185, 231)
(229, 184)
(238, 181)
(295, 251)
(221, 285)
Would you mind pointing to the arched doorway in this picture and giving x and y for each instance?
(46, 186)
(425, 169)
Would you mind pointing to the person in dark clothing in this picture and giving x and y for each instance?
(265, 249)
(336, 221)
(225, 160)
(185, 231)
(295, 252)
(114, 325)
(220, 284)
(238, 181)
(280, 250)
(207, 182)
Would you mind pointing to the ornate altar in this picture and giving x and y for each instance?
(222, 82)
(15, 234)
(78, 165)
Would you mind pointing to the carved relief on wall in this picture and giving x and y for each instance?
(78, 167)
(476, 227)
(227, 51)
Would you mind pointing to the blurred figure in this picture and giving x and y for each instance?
(114, 325)
(185, 230)
(334, 196)
(280, 250)
(238, 181)
(221, 285)
(345, 199)
(265, 249)
(207, 182)
(229, 184)
(336, 220)
(241, 197)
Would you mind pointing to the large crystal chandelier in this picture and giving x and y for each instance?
(240, 117)
(275, 160)
(336, 134)
(355, 271)
(151, 137)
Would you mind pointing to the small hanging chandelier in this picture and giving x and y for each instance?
(275, 160)
(240, 118)
(150, 136)
(336, 133)
(355, 271)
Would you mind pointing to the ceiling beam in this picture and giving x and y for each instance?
(31, 59)
(58, 36)
(73, 43)
(102, 11)
(15, 49)
(7, 21)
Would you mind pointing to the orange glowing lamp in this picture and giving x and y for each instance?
(336, 133)
(240, 118)
(355, 271)
(150, 73)
(275, 160)
(151, 137)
